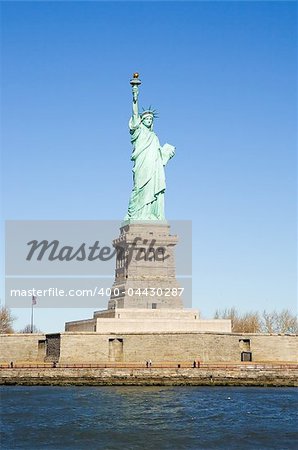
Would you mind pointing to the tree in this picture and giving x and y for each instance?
(6, 320)
(27, 329)
(228, 313)
(280, 322)
(251, 322)
(247, 323)
(269, 322)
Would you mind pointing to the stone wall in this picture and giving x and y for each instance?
(22, 347)
(181, 347)
(177, 347)
(139, 347)
(274, 347)
(78, 347)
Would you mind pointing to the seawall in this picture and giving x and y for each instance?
(234, 376)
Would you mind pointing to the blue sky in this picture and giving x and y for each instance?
(223, 78)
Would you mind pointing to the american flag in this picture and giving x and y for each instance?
(34, 300)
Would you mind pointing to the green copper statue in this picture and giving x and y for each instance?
(147, 197)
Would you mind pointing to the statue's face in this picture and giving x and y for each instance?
(147, 121)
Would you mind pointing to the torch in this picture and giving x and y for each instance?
(135, 83)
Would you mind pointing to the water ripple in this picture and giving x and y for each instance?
(148, 418)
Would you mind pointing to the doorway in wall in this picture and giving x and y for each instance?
(115, 349)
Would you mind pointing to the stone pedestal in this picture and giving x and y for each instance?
(142, 321)
(145, 275)
(145, 296)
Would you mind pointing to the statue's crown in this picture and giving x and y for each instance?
(149, 112)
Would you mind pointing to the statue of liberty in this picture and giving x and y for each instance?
(149, 157)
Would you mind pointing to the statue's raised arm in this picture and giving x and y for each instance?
(135, 82)
(149, 157)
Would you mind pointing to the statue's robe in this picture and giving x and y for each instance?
(147, 198)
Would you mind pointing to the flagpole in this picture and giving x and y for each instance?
(32, 304)
(32, 317)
